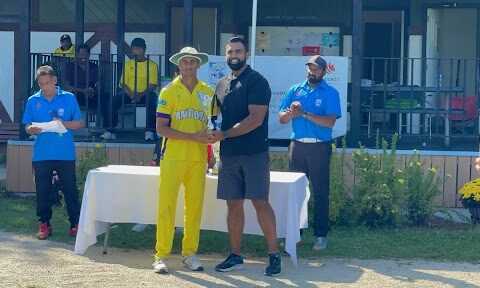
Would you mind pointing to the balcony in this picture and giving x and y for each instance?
(96, 85)
(430, 103)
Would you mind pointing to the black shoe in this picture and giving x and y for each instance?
(233, 262)
(274, 264)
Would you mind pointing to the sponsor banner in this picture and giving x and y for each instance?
(282, 72)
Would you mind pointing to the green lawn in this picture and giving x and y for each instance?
(18, 216)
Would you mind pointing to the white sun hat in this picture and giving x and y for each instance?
(189, 52)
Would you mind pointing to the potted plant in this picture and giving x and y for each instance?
(470, 197)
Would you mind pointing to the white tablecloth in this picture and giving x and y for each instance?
(129, 194)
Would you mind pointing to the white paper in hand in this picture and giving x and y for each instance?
(52, 126)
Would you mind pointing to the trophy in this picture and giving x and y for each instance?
(215, 125)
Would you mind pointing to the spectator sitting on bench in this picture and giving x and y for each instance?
(77, 75)
(140, 91)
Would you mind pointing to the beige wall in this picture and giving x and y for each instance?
(458, 39)
(416, 10)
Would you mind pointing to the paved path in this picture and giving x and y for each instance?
(27, 262)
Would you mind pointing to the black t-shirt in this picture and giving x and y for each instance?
(233, 97)
(75, 71)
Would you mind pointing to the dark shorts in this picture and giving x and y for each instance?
(244, 177)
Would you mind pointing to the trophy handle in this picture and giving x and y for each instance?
(213, 119)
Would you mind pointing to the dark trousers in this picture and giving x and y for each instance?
(82, 101)
(93, 102)
(150, 100)
(313, 159)
(68, 183)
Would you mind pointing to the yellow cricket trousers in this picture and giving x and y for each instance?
(172, 174)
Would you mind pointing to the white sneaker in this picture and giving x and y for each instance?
(160, 267)
(139, 227)
(193, 263)
(320, 244)
(108, 136)
(149, 136)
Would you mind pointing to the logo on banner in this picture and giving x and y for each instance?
(216, 71)
(330, 68)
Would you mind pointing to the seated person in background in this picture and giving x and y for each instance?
(78, 73)
(136, 92)
(66, 49)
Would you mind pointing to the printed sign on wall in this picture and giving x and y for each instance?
(282, 73)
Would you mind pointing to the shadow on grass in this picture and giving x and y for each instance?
(353, 244)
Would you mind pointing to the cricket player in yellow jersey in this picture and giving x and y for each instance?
(182, 117)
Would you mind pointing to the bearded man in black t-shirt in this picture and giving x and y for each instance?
(243, 98)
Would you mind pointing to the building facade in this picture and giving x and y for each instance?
(414, 66)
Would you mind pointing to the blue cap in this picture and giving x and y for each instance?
(319, 61)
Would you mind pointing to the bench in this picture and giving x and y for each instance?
(9, 131)
(134, 116)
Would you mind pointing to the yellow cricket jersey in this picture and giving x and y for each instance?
(141, 74)
(67, 53)
(189, 113)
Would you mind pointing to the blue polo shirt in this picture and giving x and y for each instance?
(50, 145)
(323, 100)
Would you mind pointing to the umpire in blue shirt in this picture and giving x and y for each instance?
(53, 151)
(313, 106)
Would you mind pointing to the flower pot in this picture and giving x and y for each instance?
(475, 214)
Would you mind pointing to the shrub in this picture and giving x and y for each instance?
(386, 192)
(377, 195)
(92, 158)
(279, 161)
(341, 205)
(421, 188)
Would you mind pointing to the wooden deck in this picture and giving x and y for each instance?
(455, 168)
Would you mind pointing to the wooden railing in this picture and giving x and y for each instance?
(8, 131)
(106, 85)
(432, 101)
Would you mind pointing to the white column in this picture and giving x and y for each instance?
(415, 78)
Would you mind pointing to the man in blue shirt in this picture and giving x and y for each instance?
(53, 151)
(313, 106)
